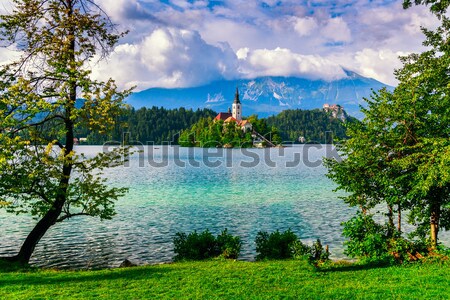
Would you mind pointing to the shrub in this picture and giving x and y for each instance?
(315, 253)
(276, 245)
(200, 246)
(372, 242)
(300, 250)
(229, 246)
(283, 245)
(367, 239)
(318, 253)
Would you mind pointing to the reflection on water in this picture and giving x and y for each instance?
(169, 199)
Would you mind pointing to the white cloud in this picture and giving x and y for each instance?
(242, 53)
(378, 64)
(189, 4)
(214, 43)
(6, 7)
(305, 26)
(169, 58)
(9, 54)
(124, 9)
(180, 58)
(305, 39)
(283, 62)
(337, 30)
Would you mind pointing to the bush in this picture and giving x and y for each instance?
(315, 253)
(229, 246)
(367, 239)
(300, 250)
(200, 246)
(318, 253)
(286, 245)
(372, 242)
(276, 245)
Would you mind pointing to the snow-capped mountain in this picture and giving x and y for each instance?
(265, 95)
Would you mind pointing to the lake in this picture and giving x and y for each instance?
(175, 189)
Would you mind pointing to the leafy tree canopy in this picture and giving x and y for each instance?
(400, 154)
(41, 172)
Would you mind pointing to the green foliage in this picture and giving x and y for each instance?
(159, 125)
(366, 238)
(370, 241)
(147, 125)
(300, 250)
(210, 134)
(229, 246)
(318, 253)
(313, 125)
(437, 7)
(276, 245)
(399, 156)
(40, 172)
(285, 245)
(200, 246)
(226, 279)
(315, 254)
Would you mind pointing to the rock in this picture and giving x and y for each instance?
(127, 264)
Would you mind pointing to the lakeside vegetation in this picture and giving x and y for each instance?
(212, 133)
(398, 157)
(227, 279)
(314, 126)
(147, 125)
(159, 125)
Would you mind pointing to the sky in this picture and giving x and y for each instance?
(186, 43)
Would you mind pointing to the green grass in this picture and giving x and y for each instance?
(232, 280)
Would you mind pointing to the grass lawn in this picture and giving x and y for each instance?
(232, 280)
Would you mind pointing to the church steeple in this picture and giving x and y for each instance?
(237, 108)
(236, 96)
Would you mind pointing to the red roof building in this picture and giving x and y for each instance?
(236, 116)
(230, 119)
(222, 116)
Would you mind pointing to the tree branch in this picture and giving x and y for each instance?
(68, 216)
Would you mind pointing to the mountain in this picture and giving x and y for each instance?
(265, 95)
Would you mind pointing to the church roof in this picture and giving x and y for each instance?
(236, 97)
(244, 122)
(230, 119)
(223, 116)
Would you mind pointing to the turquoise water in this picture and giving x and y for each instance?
(214, 190)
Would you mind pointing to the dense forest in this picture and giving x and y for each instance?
(159, 125)
(147, 125)
(308, 126)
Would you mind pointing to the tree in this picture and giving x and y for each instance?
(41, 172)
(436, 7)
(401, 152)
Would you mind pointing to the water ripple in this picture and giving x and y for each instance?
(163, 201)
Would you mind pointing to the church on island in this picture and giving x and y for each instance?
(234, 115)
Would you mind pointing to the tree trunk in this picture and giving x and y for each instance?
(37, 233)
(390, 220)
(434, 225)
(52, 215)
(399, 218)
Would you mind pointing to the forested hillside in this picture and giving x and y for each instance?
(315, 126)
(159, 125)
(147, 125)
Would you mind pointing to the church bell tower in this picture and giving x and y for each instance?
(237, 107)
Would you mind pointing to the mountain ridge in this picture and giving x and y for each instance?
(265, 96)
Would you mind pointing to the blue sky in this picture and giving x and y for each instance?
(182, 43)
